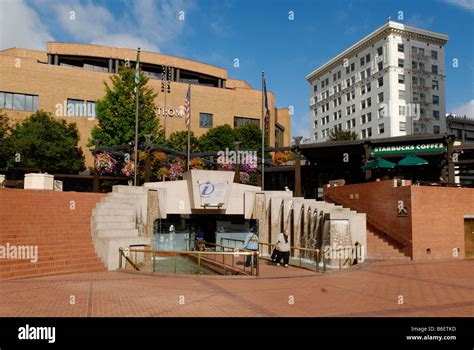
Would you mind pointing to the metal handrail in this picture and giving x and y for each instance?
(317, 252)
(154, 253)
(122, 254)
(234, 252)
(215, 244)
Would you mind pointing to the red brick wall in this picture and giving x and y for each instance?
(435, 214)
(58, 223)
(379, 200)
(438, 220)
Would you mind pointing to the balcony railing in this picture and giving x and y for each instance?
(421, 56)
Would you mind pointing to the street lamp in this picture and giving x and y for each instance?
(166, 89)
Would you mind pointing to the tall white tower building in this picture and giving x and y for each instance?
(390, 83)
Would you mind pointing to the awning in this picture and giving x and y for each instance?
(378, 163)
(412, 160)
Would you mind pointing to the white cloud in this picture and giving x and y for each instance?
(465, 4)
(143, 23)
(420, 21)
(466, 109)
(20, 26)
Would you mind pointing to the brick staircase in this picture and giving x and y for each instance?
(58, 223)
(380, 249)
(378, 246)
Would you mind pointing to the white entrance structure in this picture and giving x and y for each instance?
(125, 217)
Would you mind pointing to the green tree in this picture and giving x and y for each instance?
(5, 151)
(342, 135)
(218, 139)
(250, 137)
(116, 112)
(45, 143)
(179, 141)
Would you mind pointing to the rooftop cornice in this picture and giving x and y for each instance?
(381, 32)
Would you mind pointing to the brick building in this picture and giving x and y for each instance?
(69, 74)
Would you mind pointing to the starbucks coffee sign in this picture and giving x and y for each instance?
(402, 149)
(171, 112)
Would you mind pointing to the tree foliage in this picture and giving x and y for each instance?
(4, 140)
(224, 136)
(342, 135)
(179, 141)
(44, 143)
(250, 136)
(116, 112)
(218, 139)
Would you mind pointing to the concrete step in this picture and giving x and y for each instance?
(117, 233)
(126, 195)
(100, 225)
(125, 200)
(115, 205)
(128, 189)
(112, 211)
(114, 218)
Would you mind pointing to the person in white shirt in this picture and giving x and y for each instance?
(283, 248)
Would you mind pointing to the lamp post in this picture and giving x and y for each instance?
(297, 192)
(148, 145)
(237, 164)
(96, 182)
(166, 89)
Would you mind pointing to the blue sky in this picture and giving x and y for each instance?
(257, 32)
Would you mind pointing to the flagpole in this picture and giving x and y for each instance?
(137, 90)
(263, 131)
(189, 128)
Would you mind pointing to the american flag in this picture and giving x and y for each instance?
(187, 107)
(267, 110)
(137, 71)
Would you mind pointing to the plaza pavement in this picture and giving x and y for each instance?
(431, 288)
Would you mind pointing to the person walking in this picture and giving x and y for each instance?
(283, 248)
(251, 243)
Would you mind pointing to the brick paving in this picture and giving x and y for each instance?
(435, 288)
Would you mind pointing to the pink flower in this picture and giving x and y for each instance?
(177, 169)
(244, 178)
(104, 163)
(128, 168)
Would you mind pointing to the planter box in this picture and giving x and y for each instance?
(39, 182)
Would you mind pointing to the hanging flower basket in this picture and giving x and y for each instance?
(159, 157)
(228, 166)
(196, 163)
(244, 178)
(128, 168)
(163, 173)
(250, 165)
(177, 169)
(104, 163)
